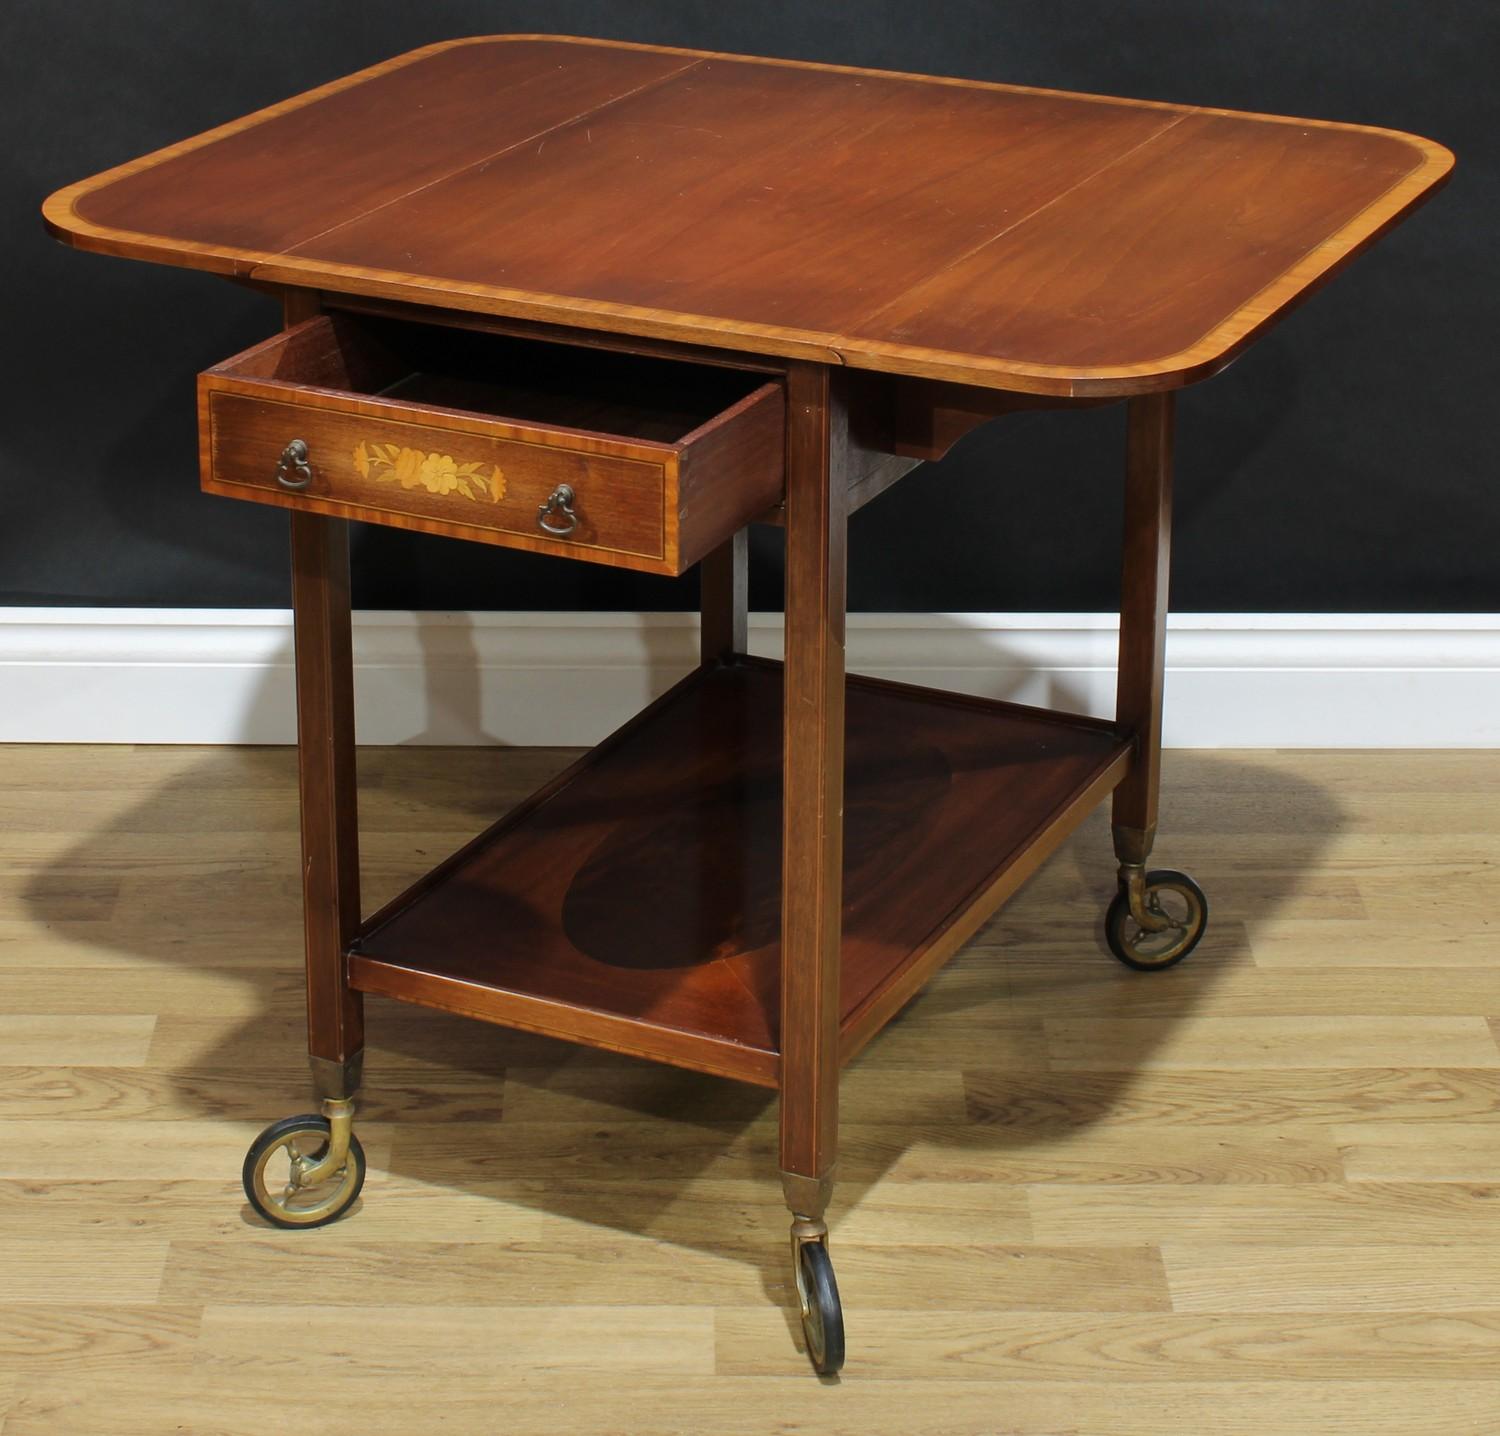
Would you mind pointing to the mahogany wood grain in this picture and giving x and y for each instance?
(884, 472)
(897, 423)
(326, 782)
(730, 470)
(812, 842)
(1169, 243)
(323, 651)
(261, 184)
(1010, 238)
(550, 333)
(687, 455)
(876, 460)
(500, 999)
(1051, 831)
(634, 903)
(894, 423)
(928, 417)
(1145, 577)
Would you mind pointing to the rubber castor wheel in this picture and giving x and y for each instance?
(822, 1313)
(1170, 896)
(278, 1163)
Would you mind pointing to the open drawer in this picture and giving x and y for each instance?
(642, 463)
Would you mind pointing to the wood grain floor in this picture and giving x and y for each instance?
(1258, 1194)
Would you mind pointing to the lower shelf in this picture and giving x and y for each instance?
(634, 903)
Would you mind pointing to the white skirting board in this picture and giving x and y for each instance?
(83, 675)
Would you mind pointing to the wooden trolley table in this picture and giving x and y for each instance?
(615, 302)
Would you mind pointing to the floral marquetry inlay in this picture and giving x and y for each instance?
(437, 473)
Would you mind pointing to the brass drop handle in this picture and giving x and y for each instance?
(292, 469)
(559, 501)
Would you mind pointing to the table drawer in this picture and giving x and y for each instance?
(615, 458)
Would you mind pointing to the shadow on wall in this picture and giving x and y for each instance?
(991, 1065)
(468, 679)
(461, 679)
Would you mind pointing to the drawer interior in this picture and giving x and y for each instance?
(597, 390)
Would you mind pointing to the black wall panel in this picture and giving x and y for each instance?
(1343, 464)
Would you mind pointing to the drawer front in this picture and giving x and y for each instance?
(472, 477)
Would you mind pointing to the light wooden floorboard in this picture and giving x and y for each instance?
(1234, 1044)
(1229, 1276)
(65, 1266)
(1318, 1214)
(1259, 1194)
(610, 1403)
(1385, 1151)
(75, 1040)
(918, 1345)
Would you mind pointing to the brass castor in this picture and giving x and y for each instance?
(1155, 919)
(818, 1296)
(306, 1171)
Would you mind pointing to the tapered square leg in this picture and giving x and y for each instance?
(326, 783)
(1156, 918)
(1145, 573)
(723, 598)
(317, 1161)
(812, 835)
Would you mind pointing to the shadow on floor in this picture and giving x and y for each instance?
(215, 887)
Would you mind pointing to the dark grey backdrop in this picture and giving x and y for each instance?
(1345, 464)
